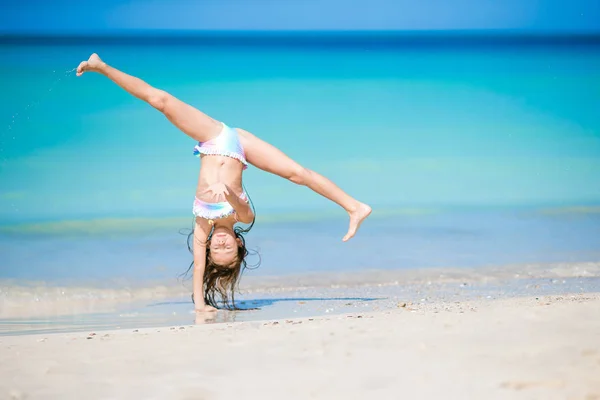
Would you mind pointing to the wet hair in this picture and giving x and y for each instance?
(220, 282)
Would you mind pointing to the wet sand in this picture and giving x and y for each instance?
(519, 348)
(102, 300)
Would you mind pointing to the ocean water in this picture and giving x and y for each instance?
(473, 151)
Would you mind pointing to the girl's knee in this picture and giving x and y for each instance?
(300, 175)
(159, 100)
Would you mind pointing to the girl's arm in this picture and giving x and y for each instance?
(242, 208)
(201, 231)
(221, 191)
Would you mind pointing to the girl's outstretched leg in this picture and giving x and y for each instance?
(188, 119)
(269, 158)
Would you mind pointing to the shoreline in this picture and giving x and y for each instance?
(311, 295)
(516, 348)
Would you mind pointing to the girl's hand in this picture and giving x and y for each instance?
(218, 191)
(205, 308)
(204, 318)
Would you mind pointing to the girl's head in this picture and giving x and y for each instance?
(225, 261)
(224, 246)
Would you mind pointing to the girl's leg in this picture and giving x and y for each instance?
(188, 119)
(269, 158)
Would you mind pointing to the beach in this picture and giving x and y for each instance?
(476, 277)
(518, 348)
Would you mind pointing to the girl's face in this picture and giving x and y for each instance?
(223, 246)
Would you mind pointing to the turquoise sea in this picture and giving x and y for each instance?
(474, 150)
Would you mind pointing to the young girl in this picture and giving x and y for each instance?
(219, 249)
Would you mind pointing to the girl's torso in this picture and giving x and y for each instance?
(223, 161)
(217, 169)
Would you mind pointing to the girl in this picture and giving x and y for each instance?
(219, 249)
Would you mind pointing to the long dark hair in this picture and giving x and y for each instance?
(222, 281)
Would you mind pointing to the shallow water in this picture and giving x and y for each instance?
(442, 239)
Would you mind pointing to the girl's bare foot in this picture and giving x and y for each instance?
(94, 63)
(356, 218)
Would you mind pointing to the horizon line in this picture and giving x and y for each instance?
(308, 38)
(161, 32)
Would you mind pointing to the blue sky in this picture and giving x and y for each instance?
(44, 16)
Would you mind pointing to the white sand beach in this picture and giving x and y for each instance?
(515, 348)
